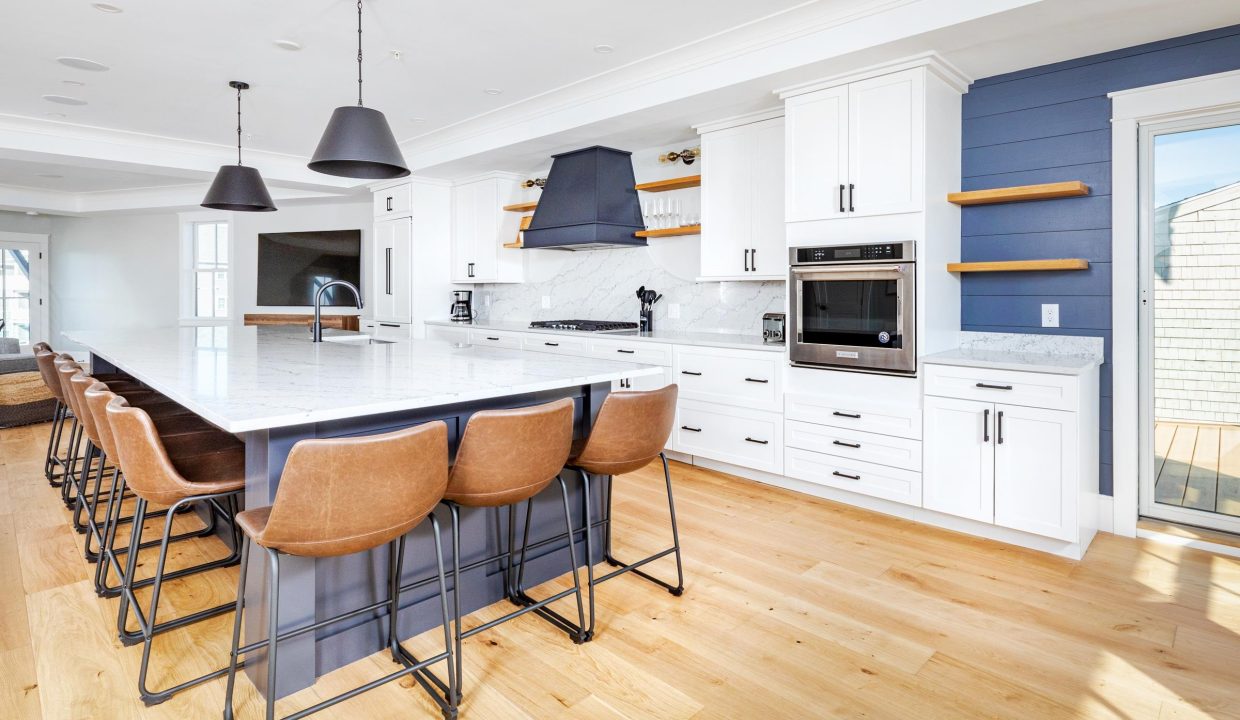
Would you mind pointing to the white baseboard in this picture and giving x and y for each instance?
(1106, 514)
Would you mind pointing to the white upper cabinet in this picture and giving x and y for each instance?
(743, 202)
(395, 201)
(391, 270)
(480, 227)
(857, 149)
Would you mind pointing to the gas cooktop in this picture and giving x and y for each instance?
(585, 325)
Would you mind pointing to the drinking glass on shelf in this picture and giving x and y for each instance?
(673, 214)
(660, 213)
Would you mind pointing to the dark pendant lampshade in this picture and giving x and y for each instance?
(358, 143)
(238, 187)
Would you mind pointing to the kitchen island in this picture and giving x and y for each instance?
(273, 387)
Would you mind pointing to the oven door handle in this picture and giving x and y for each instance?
(849, 269)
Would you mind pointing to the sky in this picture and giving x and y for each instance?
(1190, 163)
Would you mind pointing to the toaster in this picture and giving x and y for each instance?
(773, 327)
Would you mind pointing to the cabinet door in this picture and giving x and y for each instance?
(885, 144)
(726, 200)
(768, 256)
(958, 467)
(1036, 481)
(400, 232)
(486, 238)
(816, 159)
(381, 264)
(464, 232)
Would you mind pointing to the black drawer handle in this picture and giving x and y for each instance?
(837, 473)
(690, 429)
(845, 444)
(994, 387)
(395, 325)
(760, 442)
(549, 344)
(837, 413)
(493, 338)
(757, 380)
(626, 352)
(690, 372)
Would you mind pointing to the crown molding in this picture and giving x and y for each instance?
(738, 120)
(932, 61)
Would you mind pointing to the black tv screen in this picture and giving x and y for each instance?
(293, 266)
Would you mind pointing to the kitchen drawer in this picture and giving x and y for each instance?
(869, 447)
(392, 331)
(458, 335)
(1044, 390)
(393, 201)
(749, 438)
(880, 481)
(649, 353)
(898, 420)
(495, 338)
(732, 377)
(560, 344)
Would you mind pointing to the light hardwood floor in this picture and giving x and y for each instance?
(794, 608)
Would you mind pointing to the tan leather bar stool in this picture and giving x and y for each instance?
(342, 496)
(506, 457)
(203, 439)
(55, 463)
(214, 479)
(631, 430)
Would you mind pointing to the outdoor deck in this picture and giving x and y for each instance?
(1198, 466)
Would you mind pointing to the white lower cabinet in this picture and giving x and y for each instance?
(959, 458)
(457, 335)
(853, 445)
(733, 377)
(881, 481)
(1036, 480)
(557, 344)
(495, 338)
(750, 438)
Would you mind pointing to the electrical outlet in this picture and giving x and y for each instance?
(1050, 315)
(546, 302)
(673, 311)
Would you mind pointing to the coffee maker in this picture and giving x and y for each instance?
(462, 306)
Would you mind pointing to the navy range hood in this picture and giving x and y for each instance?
(588, 203)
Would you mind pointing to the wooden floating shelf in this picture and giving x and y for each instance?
(522, 207)
(680, 183)
(1019, 265)
(520, 241)
(670, 232)
(1048, 191)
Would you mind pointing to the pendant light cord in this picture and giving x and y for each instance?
(238, 126)
(359, 53)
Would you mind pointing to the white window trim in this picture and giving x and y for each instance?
(185, 288)
(1199, 97)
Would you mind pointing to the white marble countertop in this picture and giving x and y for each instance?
(703, 339)
(253, 378)
(1012, 360)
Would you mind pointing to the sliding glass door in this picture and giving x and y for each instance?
(1190, 322)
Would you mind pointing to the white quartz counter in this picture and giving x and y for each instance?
(1058, 354)
(703, 339)
(252, 378)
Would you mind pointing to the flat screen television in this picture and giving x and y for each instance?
(293, 266)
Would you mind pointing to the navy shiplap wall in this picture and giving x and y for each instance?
(1048, 124)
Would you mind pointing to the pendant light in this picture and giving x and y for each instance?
(358, 142)
(238, 187)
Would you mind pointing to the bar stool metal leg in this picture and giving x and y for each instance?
(53, 446)
(677, 589)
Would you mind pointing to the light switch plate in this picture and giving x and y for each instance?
(1050, 315)
(546, 302)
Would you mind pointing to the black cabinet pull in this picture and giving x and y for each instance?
(689, 372)
(551, 344)
(395, 325)
(841, 443)
(626, 352)
(757, 380)
(994, 387)
(837, 473)
(387, 252)
(389, 203)
(986, 425)
(493, 338)
(690, 429)
(753, 259)
(746, 259)
(759, 442)
(851, 188)
(841, 198)
(469, 270)
(837, 413)
(999, 428)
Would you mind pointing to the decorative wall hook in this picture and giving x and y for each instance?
(687, 156)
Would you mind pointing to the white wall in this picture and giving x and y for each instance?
(112, 272)
(23, 223)
(350, 215)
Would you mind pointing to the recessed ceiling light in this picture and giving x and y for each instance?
(106, 8)
(604, 49)
(74, 83)
(56, 116)
(291, 45)
(492, 91)
(82, 64)
(31, 212)
(417, 119)
(64, 100)
(51, 176)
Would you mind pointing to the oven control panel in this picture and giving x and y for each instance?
(854, 253)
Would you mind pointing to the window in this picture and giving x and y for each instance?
(210, 270)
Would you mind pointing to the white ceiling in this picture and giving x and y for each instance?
(171, 61)
(61, 177)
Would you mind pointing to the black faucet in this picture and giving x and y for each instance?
(316, 329)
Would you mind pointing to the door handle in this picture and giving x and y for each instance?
(626, 352)
(841, 443)
(389, 203)
(757, 380)
(690, 429)
(994, 387)
(493, 339)
(851, 188)
(986, 425)
(753, 259)
(690, 372)
(837, 413)
(387, 271)
(759, 442)
(999, 428)
(837, 473)
(841, 198)
(746, 259)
